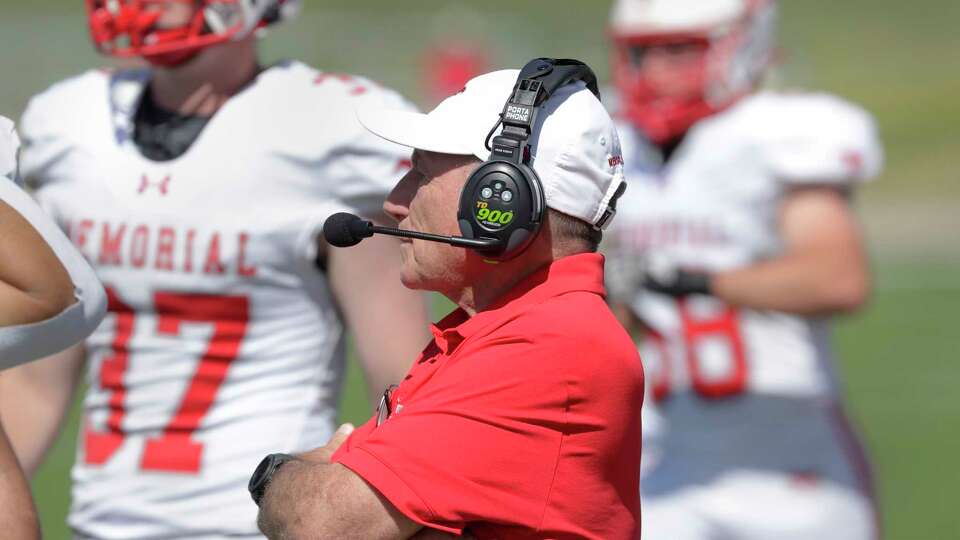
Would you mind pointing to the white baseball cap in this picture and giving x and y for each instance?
(574, 147)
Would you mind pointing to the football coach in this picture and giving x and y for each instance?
(521, 418)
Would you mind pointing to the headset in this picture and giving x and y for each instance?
(502, 204)
(503, 199)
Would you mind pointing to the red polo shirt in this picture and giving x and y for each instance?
(522, 421)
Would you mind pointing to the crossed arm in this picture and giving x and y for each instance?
(314, 498)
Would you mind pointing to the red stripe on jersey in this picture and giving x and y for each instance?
(100, 445)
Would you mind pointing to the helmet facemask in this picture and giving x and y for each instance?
(143, 28)
(735, 55)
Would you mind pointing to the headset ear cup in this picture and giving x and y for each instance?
(525, 233)
(503, 201)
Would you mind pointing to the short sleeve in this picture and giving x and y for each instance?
(44, 146)
(44, 141)
(821, 139)
(481, 443)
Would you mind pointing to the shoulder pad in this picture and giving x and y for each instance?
(52, 120)
(814, 138)
(317, 114)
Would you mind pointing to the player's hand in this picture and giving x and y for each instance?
(325, 452)
(677, 282)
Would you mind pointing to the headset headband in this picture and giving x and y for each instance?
(538, 80)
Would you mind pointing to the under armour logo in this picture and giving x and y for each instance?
(162, 185)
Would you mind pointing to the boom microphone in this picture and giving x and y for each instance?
(345, 230)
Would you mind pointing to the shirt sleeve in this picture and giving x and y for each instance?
(480, 443)
(44, 127)
(22, 343)
(365, 173)
(821, 139)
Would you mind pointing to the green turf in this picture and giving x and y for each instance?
(899, 360)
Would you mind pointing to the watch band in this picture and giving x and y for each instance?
(261, 477)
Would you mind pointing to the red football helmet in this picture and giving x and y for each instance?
(733, 42)
(447, 66)
(128, 28)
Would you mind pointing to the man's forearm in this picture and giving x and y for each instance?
(312, 498)
(279, 509)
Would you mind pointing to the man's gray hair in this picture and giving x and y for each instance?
(568, 228)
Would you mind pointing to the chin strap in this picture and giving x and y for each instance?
(171, 59)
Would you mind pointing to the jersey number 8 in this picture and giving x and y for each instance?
(697, 331)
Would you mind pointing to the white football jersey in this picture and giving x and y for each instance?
(222, 343)
(737, 388)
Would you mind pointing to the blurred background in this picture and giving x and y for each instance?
(900, 60)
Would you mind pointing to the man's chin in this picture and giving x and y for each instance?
(411, 281)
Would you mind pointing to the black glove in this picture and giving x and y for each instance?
(678, 282)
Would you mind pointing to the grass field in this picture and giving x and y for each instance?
(899, 59)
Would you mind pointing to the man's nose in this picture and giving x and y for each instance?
(397, 204)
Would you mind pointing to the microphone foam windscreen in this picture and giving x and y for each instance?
(340, 230)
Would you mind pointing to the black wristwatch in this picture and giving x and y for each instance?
(265, 471)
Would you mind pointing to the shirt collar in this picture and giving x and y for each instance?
(581, 272)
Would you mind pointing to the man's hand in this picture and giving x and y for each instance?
(325, 452)
(677, 282)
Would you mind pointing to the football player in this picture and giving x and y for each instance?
(197, 186)
(49, 300)
(734, 246)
